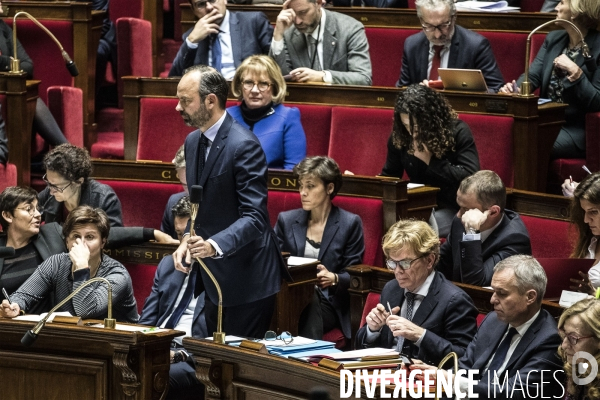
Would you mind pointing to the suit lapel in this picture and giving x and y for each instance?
(191, 157)
(454, 49)
(422, 58)
(236, 38)
(491, 345)
(330, 41)
(300, 49)
(428, 303)
(299, 232)
(331, 228)
(216, 148)
(525, 341)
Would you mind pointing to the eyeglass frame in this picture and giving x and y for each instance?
(204, 3)
(52, 186)
(398, 263)
(571, 337)
(254, 83)
(39, 209)
(272, 335)
(441, 27)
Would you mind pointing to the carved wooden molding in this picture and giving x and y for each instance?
(124, 360)
(210, 373)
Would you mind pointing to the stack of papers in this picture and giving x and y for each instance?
(300, 345)
(487, 6)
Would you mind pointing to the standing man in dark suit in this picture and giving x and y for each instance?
(233, 232)
(483, 233)
(443, 44)
(221, 38)
(430, 316)
(518, 340)
(313, 44)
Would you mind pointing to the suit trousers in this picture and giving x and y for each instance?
(247, 320)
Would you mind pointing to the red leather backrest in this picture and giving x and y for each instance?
(509, 50)
(372, 301)
(386, 46)
(494, 140)
(316, 121)
(125, 8)
(142, 277)
(161, 131)
(549, 238)
(359, 138)
(531, 5)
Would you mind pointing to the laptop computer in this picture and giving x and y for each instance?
(463, 79)
(560, 271)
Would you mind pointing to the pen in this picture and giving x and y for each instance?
(389, 308)
(571, 179)
(8, 298)
(586, 170)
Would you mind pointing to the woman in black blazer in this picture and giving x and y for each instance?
(325, 232)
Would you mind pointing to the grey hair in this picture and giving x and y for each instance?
(529, 274)
(179, 160)
(434, 4)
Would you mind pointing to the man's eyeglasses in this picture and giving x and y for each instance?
(441, 27)
(262, 86)
(31, 209)
(202, 4)
(572, 338)
(54, 187)
(285, 336)
(403, 264)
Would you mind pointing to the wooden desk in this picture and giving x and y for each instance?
(87, 25)
(404, 18)
(232, 373)
(21, 96)
(78, 362)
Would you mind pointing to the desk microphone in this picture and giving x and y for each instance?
(15, 63)
(109, 323)
(7, 252)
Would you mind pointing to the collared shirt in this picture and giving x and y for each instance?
(594, 272)
(186, 320)
(481, 235)
(277, 45)
(444, 55)
(420, 294)
(227, 63)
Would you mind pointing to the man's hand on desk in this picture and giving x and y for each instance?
(304, 74)
(8, 310)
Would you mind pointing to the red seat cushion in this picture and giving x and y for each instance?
(549, 238)
(109, 145)
(336, 336)
(386, 46)
(359, 138)
(66, 105)
(8, 175)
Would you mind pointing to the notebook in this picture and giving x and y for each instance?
(560, 271)
(463, 79)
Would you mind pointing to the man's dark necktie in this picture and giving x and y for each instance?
(435, 63)
(313, 54)
(501, 351)
(202, 145)
(185, 299)
(410, 303)
(216, 51)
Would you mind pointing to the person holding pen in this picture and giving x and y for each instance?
(427, 316)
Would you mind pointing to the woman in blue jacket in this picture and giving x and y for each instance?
(258, 83)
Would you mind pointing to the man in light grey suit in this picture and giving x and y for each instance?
(312, 44)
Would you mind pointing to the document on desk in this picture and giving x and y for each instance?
(294, 261)
(38, 318)
(487, 6)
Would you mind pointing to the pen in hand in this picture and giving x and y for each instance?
(389, 308)
(8, 298)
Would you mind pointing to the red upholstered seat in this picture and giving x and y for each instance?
(549, 238)
(162, 130)
(125, 8)
(531, 5)
(480, 318)
(279, 201)
(316, 121)
(8, 176)
(509, 49)
(494, 140)
(336, 336)
(359, 138)
(109, 145)
(386, 46)
(143, 203)
(66, 105)
(371, 303)
(142, 277)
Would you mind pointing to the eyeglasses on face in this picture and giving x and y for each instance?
(573, 339)
(441, 27)
(285, 336)
(54, 187)
(403, 264)
(262, 86)
(202, 4)
(30, 209)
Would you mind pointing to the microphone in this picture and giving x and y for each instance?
(195, 200)
(109, 323)
(7, 252)
(15, 64)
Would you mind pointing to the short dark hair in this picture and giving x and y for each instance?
(322, 167)
(487, 187)
(83, 215)
(11, 197)
(182, 208)
(70, 161)
(211, 81)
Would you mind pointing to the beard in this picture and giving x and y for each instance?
(198, 119)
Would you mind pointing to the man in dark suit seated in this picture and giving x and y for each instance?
(172, 221)
(483, 232)
(221, 38)
(436, 318)
(443, 44)
(518, 340)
